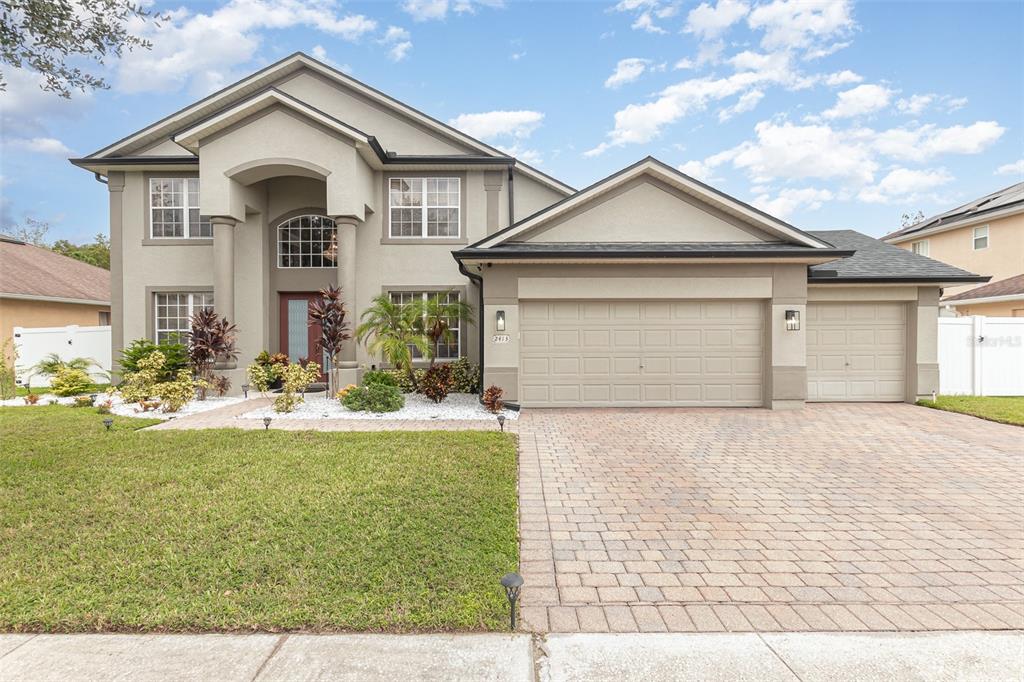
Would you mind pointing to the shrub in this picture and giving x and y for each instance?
(70, 381)
(139, 385)
(295, 378)
(175, 357)
(437, 382)
(261, 376)
(104, 407)
(220, 384)
(374, 398)
(402, 379)
(175, 394)
(377, 376)
(8, 386)
(211, 339)
(340, 395)
(465, 374)
(492, 399)
(82, 401)
(32, 399)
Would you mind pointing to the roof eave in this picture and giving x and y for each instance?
(933, 280)
(965, 221)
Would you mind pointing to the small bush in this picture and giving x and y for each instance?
(104, 407)
(465, 374)
(32, 399)
(492, 399)
(377, 376)
(82, 401)
(70, 381)
(139, 385)
(437, 383)
(402, 378)
(374, 398)
(220, 384)
(262, 376)
(295, 378)
(175, 357)
(340, 395)
(176, 394)
(8, 356)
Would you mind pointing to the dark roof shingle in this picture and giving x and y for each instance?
(875, 260)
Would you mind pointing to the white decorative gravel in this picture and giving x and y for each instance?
(457, 407)
(122, 409)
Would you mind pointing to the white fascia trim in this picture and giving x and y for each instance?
(652, 168)
(54, 299)
(189, 138)
(289, 64)
(983, 299)
(969, 221)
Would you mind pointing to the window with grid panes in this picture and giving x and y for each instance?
(445, 350)
(424, 207)
(307, 241)
(173, 313)
(174, 209)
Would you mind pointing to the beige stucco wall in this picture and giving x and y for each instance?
(998, 309)
(1003, 258)
(15, 312)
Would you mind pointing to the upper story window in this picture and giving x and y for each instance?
(424, 207)
(307, 241)
(174, 209)
(981, 238)
(173, 313)
(920, 248)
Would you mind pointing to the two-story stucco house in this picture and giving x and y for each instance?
(646, 288)
(985, 235)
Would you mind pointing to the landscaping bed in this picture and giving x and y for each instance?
(231, 530)
(120, 408)
(1003, 409)
(457, 406)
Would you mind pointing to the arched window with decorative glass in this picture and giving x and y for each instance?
(307, 241)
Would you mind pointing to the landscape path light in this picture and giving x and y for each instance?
(512, 582)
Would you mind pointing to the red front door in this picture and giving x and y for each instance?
(298, 337)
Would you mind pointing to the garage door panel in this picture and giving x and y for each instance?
(642, 353)
(856, 351)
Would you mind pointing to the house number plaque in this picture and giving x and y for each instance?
(500, 338)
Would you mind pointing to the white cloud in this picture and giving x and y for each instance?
(42, 145)
(203, 49)
(709, 22)
(809, 25)
(954, 103)
(914, 104)
(26, 109)
(1015, 168)
(746, 102)
(927, 141)
(644, 22)
(492, 124)
(627, 71)
(861, 100)
(789, 200)
(398, 43)
(698, 170)
(319, 53)
(845, 77)
(426, 10)
(904, 184)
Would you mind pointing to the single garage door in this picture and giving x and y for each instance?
(856, 351)
(641, 353)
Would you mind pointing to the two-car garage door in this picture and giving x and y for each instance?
(641, 353)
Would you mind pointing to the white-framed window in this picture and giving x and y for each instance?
(450, 350)
(424, 207)
(920, 248)
(173, 312)
(981, 238)
(174, 210)
(307, 241)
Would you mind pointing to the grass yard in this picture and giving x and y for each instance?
(1008, 410)
(250, 530)
(21, 391)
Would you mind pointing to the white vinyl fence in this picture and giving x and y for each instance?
(981, 355)
(35, 343)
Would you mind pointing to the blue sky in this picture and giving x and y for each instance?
(827, 114)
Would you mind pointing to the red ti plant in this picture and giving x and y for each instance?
(328, 311)
(211, 340)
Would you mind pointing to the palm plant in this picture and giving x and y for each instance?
(211, 339)
(434, 316)
(390, 330)
(328, 311)
(52, 363)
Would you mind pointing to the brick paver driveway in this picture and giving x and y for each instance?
(838, 517)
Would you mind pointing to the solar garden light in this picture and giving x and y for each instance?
(501, 421)
(93, 396)
(512, 582)
(245, 390)
(108, 422)
(266, 423)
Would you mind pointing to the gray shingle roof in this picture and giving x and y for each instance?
(646, 249)
(996, 201)
(875, 260)
(1011, 286)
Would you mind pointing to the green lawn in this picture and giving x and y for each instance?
(250, 530)
(45, 390)
(1008, 410)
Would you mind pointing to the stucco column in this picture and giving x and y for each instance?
(115, 185)
(492, 188)
(224, 270)
(347, 281)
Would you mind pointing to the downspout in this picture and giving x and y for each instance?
(480, 320)
(100, 178)
(511, 198)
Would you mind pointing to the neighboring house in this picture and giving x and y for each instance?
(647, 288)
(40, 288)
(985, 235)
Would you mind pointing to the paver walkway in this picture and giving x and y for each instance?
(227, 418)
(836, 517)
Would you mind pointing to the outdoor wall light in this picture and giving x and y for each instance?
(499, 320)
(245, 390)
(512, 582)
(108, 422)
(266, 423)
(792, 320)
(501, 421)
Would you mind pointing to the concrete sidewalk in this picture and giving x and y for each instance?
(519, 658)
